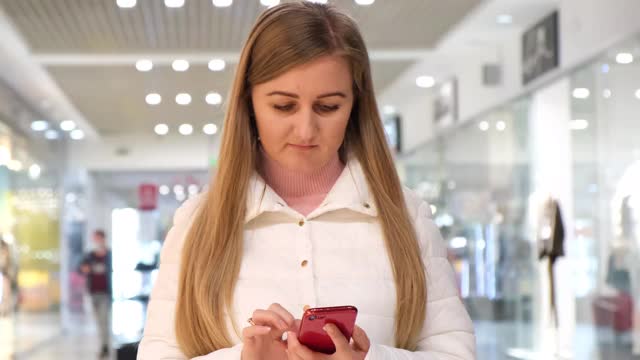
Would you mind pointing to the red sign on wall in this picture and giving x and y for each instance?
(148, 196)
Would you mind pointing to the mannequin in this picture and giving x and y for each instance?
(551, 236)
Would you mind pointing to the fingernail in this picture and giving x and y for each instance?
(325, 328)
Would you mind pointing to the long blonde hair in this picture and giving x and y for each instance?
(283, 37)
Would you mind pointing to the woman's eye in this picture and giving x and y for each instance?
(287, 107)
(328, 108)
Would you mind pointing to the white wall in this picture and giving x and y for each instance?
(146, 152)
(587, 27)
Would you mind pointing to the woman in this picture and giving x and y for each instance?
(306, 209)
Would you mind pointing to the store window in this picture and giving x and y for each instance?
(606, 162)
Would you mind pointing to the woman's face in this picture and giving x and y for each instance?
(302, 115)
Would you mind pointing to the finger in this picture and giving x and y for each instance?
(296, 349)
(255, 330)
(292, 356)
(284, 314)
(267, 317)
(341, 343)
(361, 341)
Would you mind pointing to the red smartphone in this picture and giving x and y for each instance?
(311, 334)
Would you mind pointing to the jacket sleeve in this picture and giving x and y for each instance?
(159, 339)
(448, 332)
(86, 260)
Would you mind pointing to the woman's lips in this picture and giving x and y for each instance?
(303, 147)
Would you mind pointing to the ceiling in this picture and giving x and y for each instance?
(109, 92)
(99, 26)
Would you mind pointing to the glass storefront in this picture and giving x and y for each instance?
(29, 235)
(606, 163)
(574, 144)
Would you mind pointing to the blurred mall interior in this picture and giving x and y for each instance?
(111, 113)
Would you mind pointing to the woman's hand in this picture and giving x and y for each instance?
(263, 339)
(357, 350)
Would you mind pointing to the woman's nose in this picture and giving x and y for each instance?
(306, 126)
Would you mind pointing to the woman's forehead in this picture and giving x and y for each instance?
(323, 75)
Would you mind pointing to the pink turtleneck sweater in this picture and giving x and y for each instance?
(302, 192)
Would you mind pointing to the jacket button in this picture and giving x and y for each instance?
(304, 263)
(301, 223)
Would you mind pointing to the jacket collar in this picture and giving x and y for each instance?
(351, 191)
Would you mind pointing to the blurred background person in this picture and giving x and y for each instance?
(97, 267)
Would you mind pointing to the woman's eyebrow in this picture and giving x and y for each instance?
(284, 93)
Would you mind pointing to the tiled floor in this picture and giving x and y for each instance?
(67, 346)
(39, 337)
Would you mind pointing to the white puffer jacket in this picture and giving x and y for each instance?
(345, 263)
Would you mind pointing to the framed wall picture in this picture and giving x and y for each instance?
(540, 48)
(445, 105)
(393, 131)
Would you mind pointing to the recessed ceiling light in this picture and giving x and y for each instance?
(153, 99)
(77, 134)
(638, 93)
(180, 65)
(185, 129)
(501, 125)
(425, 81)
(71, 197)
(39, 125)
(144, 65)
(174, 3)
(213, 98)
(270, 3)
(624, 58)
(365, 2)
(164, 190)
(15, 165)
(504, 19)
(217, 65)
(126, 3)
(222, 3)
(51, 135)
(178, 189)
(458, 242)
(67, 125)
(183, 99)
(606, 93)
(578, 124)
(193, 189)
(34, 171)
(210, 129)
(581, 93)
(484, 125)
(161, 129)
